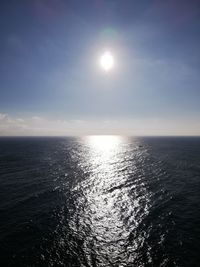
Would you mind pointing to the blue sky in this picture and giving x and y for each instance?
(50, 76)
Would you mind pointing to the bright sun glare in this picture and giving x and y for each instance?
(103, 142)
(107, 61)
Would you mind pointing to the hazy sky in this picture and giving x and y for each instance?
(51, 82)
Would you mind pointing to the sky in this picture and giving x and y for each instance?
(51, 82)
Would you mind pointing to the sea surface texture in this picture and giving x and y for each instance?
(100, 201)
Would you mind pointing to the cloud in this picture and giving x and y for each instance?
(37, 126)
(3, 116)
(20, 120)
(36, 118)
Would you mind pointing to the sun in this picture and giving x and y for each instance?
(107, 61)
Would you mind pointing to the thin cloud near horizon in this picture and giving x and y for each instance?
(39, 126)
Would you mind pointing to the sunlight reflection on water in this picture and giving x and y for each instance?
(109, 211)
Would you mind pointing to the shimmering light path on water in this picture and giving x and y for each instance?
(100, 201)
(112, 212)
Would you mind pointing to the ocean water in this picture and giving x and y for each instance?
(100, 201)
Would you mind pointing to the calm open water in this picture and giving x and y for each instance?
(100, 201)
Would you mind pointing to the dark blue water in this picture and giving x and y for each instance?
(100, 201)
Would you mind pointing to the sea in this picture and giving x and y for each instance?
(100, 201)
